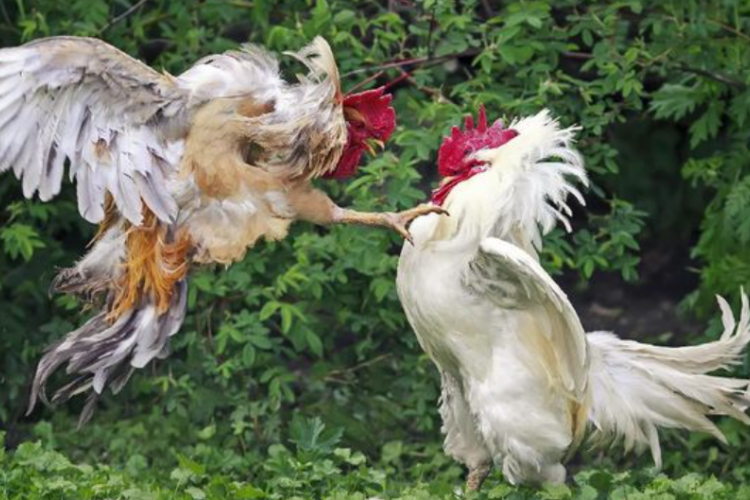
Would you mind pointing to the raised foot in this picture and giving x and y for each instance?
(477, 475)
(400, 221)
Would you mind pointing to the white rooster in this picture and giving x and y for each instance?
(521, 380)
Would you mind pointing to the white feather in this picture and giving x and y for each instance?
(525, 187)
(638, 388)
(62, 98)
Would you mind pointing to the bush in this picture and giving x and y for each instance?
(315, 470)
(311, 327)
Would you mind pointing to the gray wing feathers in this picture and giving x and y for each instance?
(512, 279)
(84, 100)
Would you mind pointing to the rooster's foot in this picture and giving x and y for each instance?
(477, 475)
(400, 220)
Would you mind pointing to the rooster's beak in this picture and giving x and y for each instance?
(369, 146)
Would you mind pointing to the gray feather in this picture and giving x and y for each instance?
(61, 96)
(101, 354)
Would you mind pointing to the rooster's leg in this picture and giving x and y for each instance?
(315, 206)
(477, 475)
(397, 221)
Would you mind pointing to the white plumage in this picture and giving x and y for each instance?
(521, 381)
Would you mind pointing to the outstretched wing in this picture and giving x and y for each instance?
(510, 277)
(113, 117)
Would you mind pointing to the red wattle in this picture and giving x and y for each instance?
(440, 194)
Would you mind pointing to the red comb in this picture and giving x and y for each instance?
(456, 149)
(455, 154)
(374, 107)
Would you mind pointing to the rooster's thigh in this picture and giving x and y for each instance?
(522, 420)
(463, 441)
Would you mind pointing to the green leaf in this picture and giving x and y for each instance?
(675, 101)
(268, 310)
(248, 355)
(707, 126)
(20, 240)
(314, 342)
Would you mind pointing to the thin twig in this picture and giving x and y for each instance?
(713, 76)
(437, 94)
(583, 56)
(366, 81)
(5, 14)
(488, 9)
(344, 371)
(729, 29)
(417, 61)
(122, 16)
(432, 29)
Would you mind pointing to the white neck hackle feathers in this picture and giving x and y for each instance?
(525, 187)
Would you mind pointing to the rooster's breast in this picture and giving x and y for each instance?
(457, 329)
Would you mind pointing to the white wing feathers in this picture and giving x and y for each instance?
(509, 276)
(84, 100)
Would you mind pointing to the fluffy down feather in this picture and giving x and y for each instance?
(102, 353)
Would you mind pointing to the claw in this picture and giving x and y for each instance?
(399, 221)
(407, 235)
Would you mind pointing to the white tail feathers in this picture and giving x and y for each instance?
(638, 387)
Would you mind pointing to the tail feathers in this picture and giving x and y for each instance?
(104, 354)
(638, 388)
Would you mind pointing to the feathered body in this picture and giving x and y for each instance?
(176, 171)
(521, 381)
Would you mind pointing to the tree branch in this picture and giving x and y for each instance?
(333, 375)
(718, 77)
(122, 16)
(713, 76)
(582, 56)
(436, 94)
(417, 61)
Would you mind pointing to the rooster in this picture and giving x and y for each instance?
(521, 380)
(176, 171)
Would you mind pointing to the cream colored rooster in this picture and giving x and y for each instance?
(176, 171)
(521, 381)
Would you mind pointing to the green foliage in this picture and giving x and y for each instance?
(301, 352)
(34, 472)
